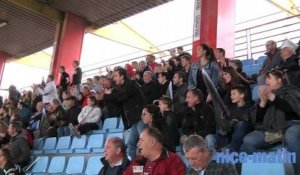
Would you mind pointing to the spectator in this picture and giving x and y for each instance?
(73, 110)
(181, 52)
(49, 92)
(4, 116)
(179, 82)
(186, 65)
(152, 118)
(150, 59)
(115, 160)
(35, 99)
(110, 108)
(35, 119)
(220, 56)
(143, 68)
(200, 158)
(290, 63)
(238, 66)
(25, 112)
(58, 120)
(130, 96)
(279, 105)
(64, 81)
(240, 119)
(86, 93)
(171, 69)
(150, 88)
(97, 87)
(13, 95)
(65, 95)
(7, 165)
(230, 78)
(154, 158)
(27, 101)
(199, 118)
(88, 118)
(130, 71)
(4, 136)
(273, 59)
(163, 82)
(77, 76)
(135, 65)
(207, 61)
(18, 146)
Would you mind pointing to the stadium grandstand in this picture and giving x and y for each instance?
(172, 87)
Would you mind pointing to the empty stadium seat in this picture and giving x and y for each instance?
(109, 125)
(41, 164)
(62, 143)
(94, 145)
(49, 144)
(250, 168)
(93, 166)
(117, 134)
(261, 60)
(57, 164)
(38, 144)
(75, 165)
(247, 62)
(78, 142)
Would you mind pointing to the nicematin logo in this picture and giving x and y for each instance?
(280, 156)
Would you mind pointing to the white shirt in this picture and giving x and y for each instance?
(49, 92)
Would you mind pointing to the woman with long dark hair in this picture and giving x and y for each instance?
(207, 61)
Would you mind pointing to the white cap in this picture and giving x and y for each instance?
(290, 44)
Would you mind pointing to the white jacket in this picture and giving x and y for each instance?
(90, 114)
(49, 92)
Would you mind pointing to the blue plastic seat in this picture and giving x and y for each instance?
(41, 165)
(121, 124)
(261, 60)
(75, 165)
(38, 144)
(49, 144)
(95, 144)
(247, 62)
(78, 142)
(62, 143)
(116, 134)
(261, 168)
(57, 164)
(110, 125)
(93, 166)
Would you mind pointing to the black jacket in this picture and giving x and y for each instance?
(11, 169)
(64, 80)
(200, 122)
(151, 91)
(119, 169)
(20, 150)
(72, 114)
(130, 96)
(172, 130)
(77, 76)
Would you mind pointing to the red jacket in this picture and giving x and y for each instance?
(168, 164)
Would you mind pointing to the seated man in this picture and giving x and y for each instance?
(18, 146)
(154, 158)
(199, 118)
(200, 158)
(115, 160)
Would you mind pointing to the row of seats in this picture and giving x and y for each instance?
(60, 165)
(67, 144)
(251, 66)
(248, 62)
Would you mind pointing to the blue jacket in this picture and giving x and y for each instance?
(211, 68)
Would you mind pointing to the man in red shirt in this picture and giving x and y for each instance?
(154, 158)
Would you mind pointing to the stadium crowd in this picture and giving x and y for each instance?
(164, 104)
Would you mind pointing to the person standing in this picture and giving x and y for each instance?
(77, 76)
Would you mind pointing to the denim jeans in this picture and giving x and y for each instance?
(63, 131)
(241, 128)
(255, 141)
(133, 138)
(292, 141)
